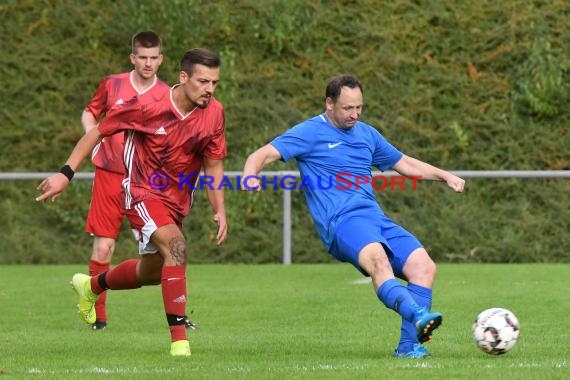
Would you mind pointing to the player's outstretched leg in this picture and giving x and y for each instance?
(81, 283)
(426, 322)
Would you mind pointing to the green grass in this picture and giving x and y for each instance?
(282, 322)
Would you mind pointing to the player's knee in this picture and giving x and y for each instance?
(429, 268)
(426, 268)
(103, 250)
(378, 265)
(150, 269)
(177, 250)
(420, 269)
(153, 278)
(433, 267)
(150, 279)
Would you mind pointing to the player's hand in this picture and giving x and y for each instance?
(52, 187)
(456, 184)
(222, 223)
(250, 183)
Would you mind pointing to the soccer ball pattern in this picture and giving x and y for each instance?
(496, 330)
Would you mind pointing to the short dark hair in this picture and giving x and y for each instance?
(337, 83)
(198, 56)
(146, 39)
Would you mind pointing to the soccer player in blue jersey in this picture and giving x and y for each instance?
(339, 151)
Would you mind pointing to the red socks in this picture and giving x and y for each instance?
(123, 276)
(173, 284)
(95, 268)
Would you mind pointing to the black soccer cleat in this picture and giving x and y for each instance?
(99, 325)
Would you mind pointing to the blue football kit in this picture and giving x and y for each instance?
(336, 176)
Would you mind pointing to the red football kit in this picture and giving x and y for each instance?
(164, 151)
(106, 208)
(115, 90)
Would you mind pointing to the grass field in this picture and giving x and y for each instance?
(282, 322)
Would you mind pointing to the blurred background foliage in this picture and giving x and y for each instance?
(465, 85)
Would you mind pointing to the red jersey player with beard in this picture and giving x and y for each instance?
(179, 133)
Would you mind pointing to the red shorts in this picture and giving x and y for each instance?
(107, 201)
(146, 217)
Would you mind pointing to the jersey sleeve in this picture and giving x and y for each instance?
(293, 143)
(127, 116)
(98, 103)
(385, 154)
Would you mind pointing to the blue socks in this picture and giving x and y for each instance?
(397, 297)
(408, 337)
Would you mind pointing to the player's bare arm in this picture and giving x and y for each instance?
(215, 169)
(88, 121)
(54, 185)
(410, 166)
(255, 163)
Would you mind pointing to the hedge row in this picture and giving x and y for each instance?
(469, 85)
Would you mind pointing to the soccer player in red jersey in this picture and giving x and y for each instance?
(168, 142)
(106, 209)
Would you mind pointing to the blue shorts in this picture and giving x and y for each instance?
(356, 230)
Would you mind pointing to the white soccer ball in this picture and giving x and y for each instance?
(496, 330)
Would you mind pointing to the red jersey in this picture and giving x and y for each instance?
(162, 142)
(115, 90)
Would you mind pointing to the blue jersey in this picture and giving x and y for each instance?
(334, 164)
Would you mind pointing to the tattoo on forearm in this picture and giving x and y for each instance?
(177, 247)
